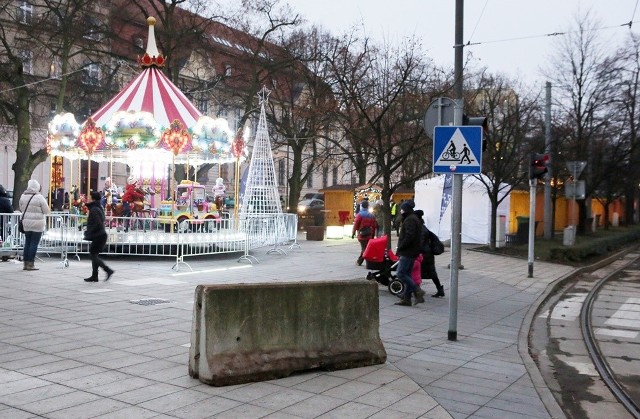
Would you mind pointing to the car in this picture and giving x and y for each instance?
(307, 206)
(313, 195)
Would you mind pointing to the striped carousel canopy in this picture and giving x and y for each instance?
(151, 92)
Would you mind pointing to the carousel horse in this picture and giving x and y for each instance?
(219, 201)
(137, 208)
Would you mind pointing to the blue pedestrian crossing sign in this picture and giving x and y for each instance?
(457, 149)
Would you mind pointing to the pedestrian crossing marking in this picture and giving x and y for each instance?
(457, 149)
(457, 152)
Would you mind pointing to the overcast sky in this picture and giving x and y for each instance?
(484, 21)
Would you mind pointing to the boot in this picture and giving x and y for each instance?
(31, 267)
(91, 279)
(404, 302)
(24, 267)
(109, 273)
(419, 295)
(440, 292)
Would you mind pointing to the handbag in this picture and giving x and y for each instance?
(20, 223)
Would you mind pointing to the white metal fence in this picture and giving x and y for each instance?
(155, 237)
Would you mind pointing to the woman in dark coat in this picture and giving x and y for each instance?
(428, 265)
(97, 235)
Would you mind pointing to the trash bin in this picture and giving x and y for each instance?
(522, 233)
(569, 236)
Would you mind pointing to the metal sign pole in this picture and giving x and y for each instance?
(532, 224)
(456, 205)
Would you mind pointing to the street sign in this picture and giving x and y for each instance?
(576, 167)
(439, 112)
(457, 149)
(574, 189)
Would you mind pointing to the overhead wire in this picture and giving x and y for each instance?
(633, 15)
(519, 38)
(41, 81)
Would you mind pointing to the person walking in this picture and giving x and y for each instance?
(365, 226)
(5, 208)
(378, 212)
(34, 209)
(409, 244)
(428, 264)
(97, 235)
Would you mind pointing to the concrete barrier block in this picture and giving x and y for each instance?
(253, 332)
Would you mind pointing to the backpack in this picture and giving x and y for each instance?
(431, 243)
(437, 248)
(366, 231)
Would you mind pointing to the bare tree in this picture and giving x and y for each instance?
(626, 92)
(580, 72)
(381, 100)
(514, 122)
(301, 117)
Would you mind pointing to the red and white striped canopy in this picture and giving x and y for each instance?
(151, 92)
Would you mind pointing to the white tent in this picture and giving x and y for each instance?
(476, 209)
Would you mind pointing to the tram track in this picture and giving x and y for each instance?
(598, 358)
(566, 341)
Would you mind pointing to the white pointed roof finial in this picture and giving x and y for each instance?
(152, 49)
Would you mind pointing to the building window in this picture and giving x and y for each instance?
(27, 61)
(93, 28)
(227, 70)
(281, 172)
(55, 71)
(335, 176)
(310, 181)
(25, 12)
(325, 177)
(92, 74)
(203, 106)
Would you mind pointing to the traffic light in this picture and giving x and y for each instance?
(538, 166)
(478, 121)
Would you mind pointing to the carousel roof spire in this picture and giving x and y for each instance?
(152, 56)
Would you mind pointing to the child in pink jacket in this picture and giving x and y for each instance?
(417, 277)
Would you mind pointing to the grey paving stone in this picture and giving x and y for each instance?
(17, 386)
(488, 412)
(63, 401)
(321, 383)
(282, 399)
(314, 406)
(351, 410)
(251, 411)
(174, 401)
(145, 393)
(252, 391)
(13, 413)
(35, 394)
(93, 408)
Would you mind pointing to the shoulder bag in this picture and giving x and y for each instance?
(20, 224)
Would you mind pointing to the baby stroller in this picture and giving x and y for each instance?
(384, 262)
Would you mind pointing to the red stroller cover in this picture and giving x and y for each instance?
(375, 250)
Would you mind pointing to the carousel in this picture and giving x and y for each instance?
(150, 126)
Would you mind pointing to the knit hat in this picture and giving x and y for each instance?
(33, 184)
(419, 213)
(132, 180)
(364, 204)
(95, 196)
(407, 206)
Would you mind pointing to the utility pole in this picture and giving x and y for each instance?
(456, 207)
(548, 204)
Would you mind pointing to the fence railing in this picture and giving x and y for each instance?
(159, 237)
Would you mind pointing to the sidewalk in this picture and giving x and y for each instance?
(70, 349)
